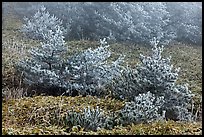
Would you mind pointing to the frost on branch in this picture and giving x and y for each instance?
(40, 24)
(89, 119)
(84, 73)
(178, 103)
(144, 108)
(155, 74)
(44, 66)
(89, 72)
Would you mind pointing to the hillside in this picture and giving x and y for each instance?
(40, 114)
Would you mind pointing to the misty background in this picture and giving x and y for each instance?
(136, 22)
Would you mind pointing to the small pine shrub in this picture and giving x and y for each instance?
(89, 119)
(89, 71)
(44, 66)
(40, 24)
(178, 103)
(156, 75)
(85, 73)
(144, 108)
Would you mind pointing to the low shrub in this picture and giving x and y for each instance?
(156, 75)
(144, 109)
(89, 119)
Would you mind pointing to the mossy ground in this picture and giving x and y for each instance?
(44, 114)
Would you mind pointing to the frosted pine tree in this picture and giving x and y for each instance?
(44, 66)
(89, 72)
(144, 108)
(155, 74)
(40, 24)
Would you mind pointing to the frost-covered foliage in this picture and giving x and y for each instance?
(89, 72)
(144, 108)
(89, 119)
(40, 24)
(155, 74)
(85, 73)
(141, 21)
(126, 21)
(44, 66)
(178, 103)
(186, 20)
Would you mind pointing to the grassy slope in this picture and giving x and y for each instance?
(34, 115)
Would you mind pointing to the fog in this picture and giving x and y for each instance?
(136, 22)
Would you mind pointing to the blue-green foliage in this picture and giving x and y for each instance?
(40, 24)
(44, 65)
(155, 74)
(87, 72)
(144, 108)
(89, 119)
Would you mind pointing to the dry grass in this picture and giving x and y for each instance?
(44, 115)
(157, 128)
(14, 48)
(13, 93)
(49, 110)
